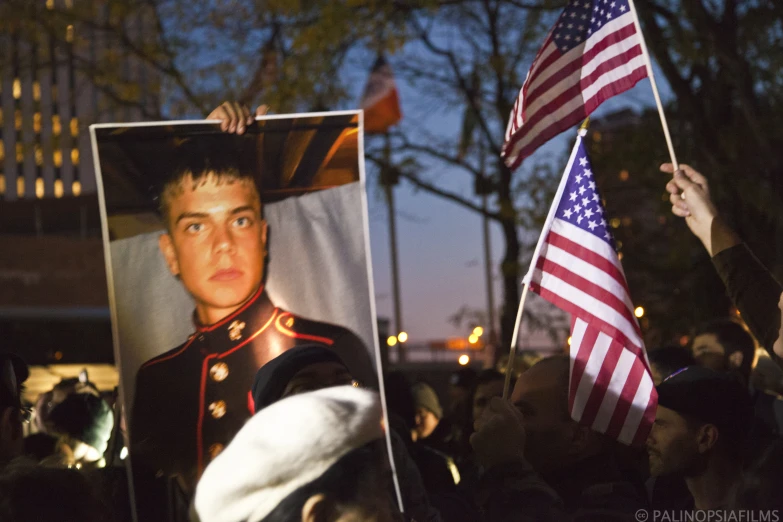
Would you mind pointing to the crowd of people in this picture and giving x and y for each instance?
(320, 448)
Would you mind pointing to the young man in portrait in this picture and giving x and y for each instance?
(191, 400)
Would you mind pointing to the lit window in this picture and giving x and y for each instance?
(39, 188)
(2, 152)
(38, 155)
(20, 187)
(36, 91)
(37, 122)
(17, 89)
(2, 184)
(75, 156)
(1, 116)
(76, 188)
(19, 153)
(69, 34)
(50, 4)
(56, 127)
(58, 188)
(18, 119)
(74, 127)
(58, 158)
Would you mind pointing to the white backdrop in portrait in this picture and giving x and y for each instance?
(317, 269)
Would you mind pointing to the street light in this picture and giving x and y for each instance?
(639, 312)
(473, 339)
(392, 340)
(478, 331)
(402, 337)
(463, 360)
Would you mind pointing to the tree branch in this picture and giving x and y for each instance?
(433, 189)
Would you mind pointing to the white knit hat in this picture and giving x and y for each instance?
(284, 447)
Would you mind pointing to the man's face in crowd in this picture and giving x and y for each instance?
(672, 445)
(778, 346)
(317, 377)
(709, 353)
(484, 393)
(426, 422)
(542, 397)
(216, 243)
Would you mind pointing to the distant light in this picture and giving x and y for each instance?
(463, 360)
(684, 340)
(69, 34)
(58, 355)
(569, 340)
(639, 311)
(58, 188)
(402, 337)
(478, 331)
(392, 340)
(123, 453)
(17, 89)
(39, 188)
(624, 175)
(473, 339)
(76, 188)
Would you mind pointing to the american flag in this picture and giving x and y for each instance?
(591, 54)
(576, 268)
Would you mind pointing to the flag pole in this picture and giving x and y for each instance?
(514, 338)
(650, 74)
(534, 259)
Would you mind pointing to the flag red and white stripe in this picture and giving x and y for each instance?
(380, 100)
(593, 52)
(576, 268)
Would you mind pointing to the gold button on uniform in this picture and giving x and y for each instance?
(217, 409)
(214, 450)
(219, 371)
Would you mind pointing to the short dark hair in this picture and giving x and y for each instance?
(221, 158)
(344, 484)
(670, 358)
(734, 338)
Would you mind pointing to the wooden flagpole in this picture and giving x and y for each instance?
(514, 338)
(658, 103)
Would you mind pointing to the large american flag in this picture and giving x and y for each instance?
(591, 54)
(576, 268)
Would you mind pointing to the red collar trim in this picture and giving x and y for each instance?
(209, 328)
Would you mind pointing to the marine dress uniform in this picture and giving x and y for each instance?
(192, 400)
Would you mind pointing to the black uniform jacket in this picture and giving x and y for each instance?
(191, 401)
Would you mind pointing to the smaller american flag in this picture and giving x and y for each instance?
(592, 53)
(576, 268)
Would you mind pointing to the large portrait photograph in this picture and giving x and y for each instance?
(227, 254)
